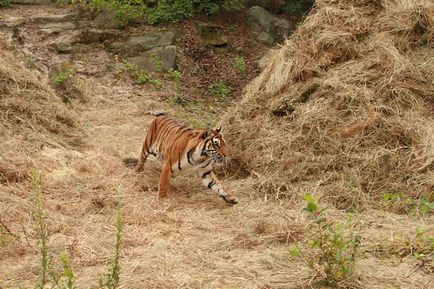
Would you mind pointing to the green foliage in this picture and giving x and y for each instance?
(331, 248)
(175, 10)
(127, 11)
(219, 89)
(141, 76)
(61, 76)
(296, 7)
(240, 64)
(5, 3)
(176, 75)
(404, 204)
(112, 278)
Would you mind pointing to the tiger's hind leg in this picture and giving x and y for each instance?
(164, 180)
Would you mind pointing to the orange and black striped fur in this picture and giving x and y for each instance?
(182, 148)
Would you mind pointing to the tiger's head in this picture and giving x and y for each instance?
(214, 145)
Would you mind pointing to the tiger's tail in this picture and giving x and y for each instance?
(130, 162)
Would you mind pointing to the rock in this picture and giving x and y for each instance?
(95, 36)
(265, 23)
(213, 35)
(55, 28)
(11, 21)
(63, 47)
(53, 18)
(270, 5)
(141, 43)
(32, 2)
(266, 38)
(107, 19)
(156, 59)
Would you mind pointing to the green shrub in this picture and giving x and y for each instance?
(296, 7)
(219, 89)
(5, 3)
(240, 64)
(140, 75)
(331, 248)
(63, 74)
(127, 11)
(174, 10)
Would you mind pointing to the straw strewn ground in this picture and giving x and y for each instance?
(343, 111)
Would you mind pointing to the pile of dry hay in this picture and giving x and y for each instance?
(31, 116)
(345, 108)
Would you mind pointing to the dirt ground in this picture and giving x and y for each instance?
(191, 239)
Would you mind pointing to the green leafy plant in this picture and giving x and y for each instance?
(5, 3)
(219, 89)
(240, 64)
(141, 76)
(401, 203)
(112, 278)
(47, 274)
(331, 248)
(175, 10)
(60, 76)
(127, 11)
(42, 231)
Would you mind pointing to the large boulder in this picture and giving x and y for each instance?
(107, 19)
(156, 59)
(269, 28)
(140, 43)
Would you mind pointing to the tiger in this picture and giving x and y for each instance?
(181, 148)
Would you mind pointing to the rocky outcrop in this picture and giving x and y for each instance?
(151, 51)
(156, 59)
(57, 27)
(269, 28)
(140, 43)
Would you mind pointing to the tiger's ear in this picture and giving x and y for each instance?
(218, 130)
(206, 133)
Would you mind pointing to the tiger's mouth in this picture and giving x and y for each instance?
(218, 160)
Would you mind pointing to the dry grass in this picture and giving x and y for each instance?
(350, 103)
(333, 129)
(31, 113)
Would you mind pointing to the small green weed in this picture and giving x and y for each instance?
(141, 76)
(112, 278)
(219, 89)
(176, 75)
(240, 64)
(42, 231)
(401, 203)
(331, 249)
(63, 74)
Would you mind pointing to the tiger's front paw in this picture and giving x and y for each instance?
(230, 199)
